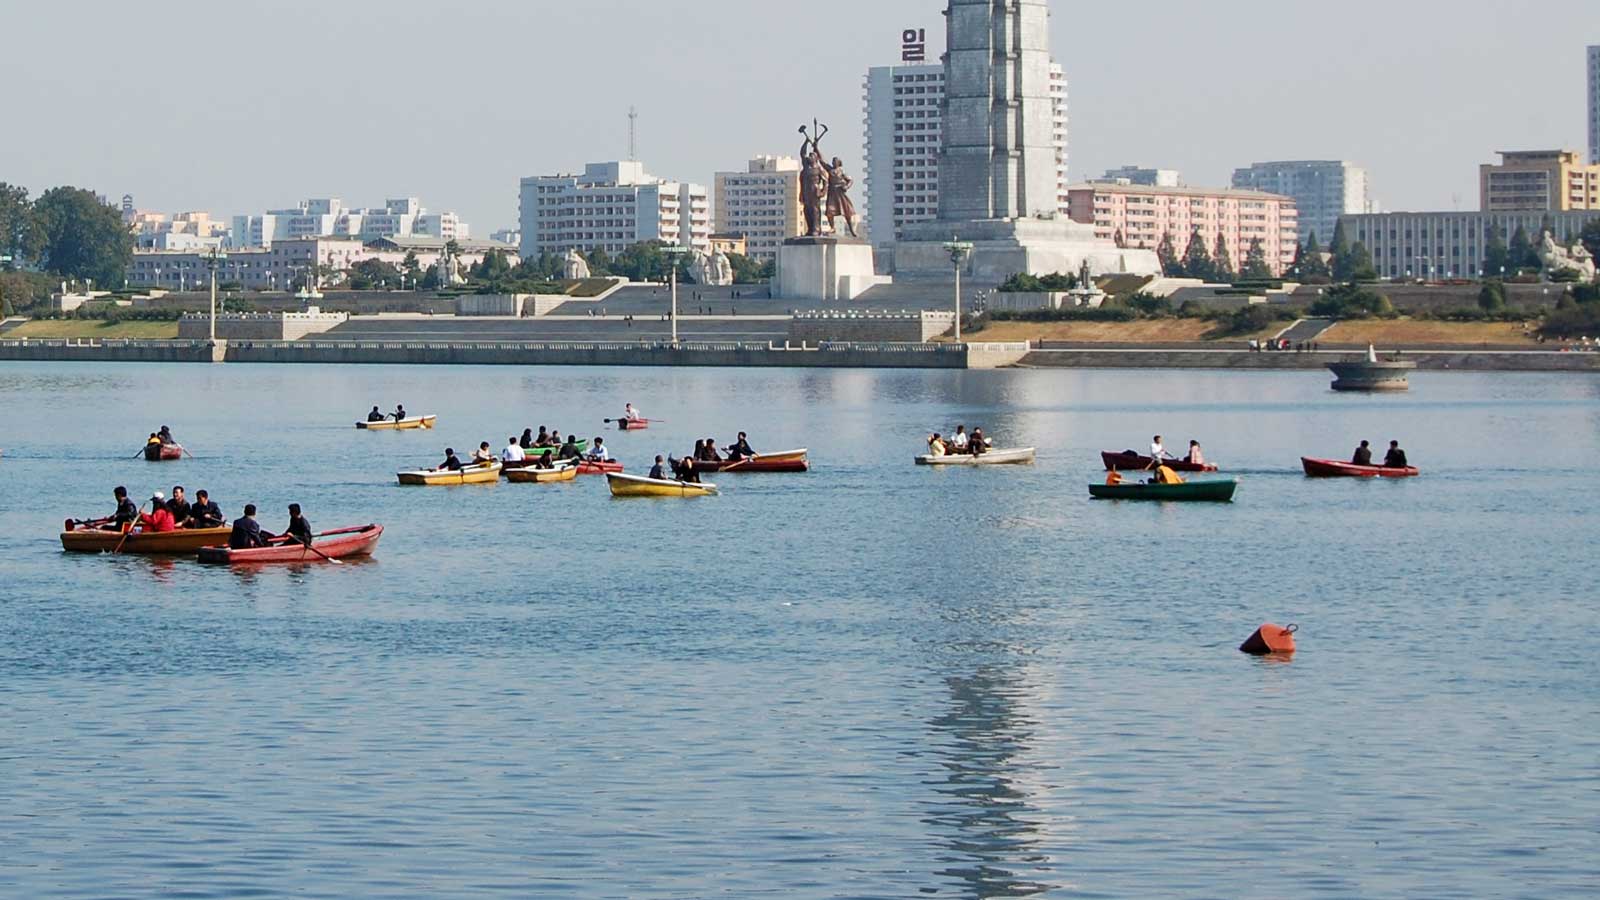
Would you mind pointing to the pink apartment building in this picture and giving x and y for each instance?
(1140, 215)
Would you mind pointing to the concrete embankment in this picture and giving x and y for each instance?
(1464, 360)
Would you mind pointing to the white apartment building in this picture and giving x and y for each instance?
(1594, 105)
(761, 204)
(903, 108)
(612, 205)
(1450, 244)
(329, 217)
(1165, 178)
(1323, 190)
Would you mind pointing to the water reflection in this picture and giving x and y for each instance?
(984, 815)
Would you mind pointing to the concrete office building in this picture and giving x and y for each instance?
(1449, 244)
(1538, 180)
(904, 133)
(761, 204)
(1322, 190)
(611, 206)
(1167, 178)
(1139, 215)
(329, 217)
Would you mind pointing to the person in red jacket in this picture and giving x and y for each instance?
(159, 518)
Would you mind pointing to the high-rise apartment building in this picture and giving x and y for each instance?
(1539, 180)
(1594, 105)
(611, 206)
(761, 205)
(1322, 190)
(1141, 215)
(904, 107)
(329, 217)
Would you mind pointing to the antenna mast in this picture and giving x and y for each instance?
(633, 134)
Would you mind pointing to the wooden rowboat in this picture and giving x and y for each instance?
(1133, 462)
(589, 467)
(165, 543)
(1017, 457)
(489, 474)
(163, 452)
(341, 544)
(411, 424)
(632, 424)
(635, 486)
(787, 461)
(1332, 468)
(541, 476)
(1193, 491)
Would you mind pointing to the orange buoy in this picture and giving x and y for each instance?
(1270, 639)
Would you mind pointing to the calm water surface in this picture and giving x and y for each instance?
(870, 681)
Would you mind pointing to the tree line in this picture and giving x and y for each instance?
(66, 231)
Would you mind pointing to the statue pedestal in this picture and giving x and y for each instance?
(1006, 247)
(825, 269)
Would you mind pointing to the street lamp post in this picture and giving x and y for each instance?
(674, 252)
(959, 251)
(212, 262)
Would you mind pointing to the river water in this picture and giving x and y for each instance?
(873, 680)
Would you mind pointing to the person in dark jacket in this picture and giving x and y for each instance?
(179, 506)
(126, 515)
(1396, 458)
(376, 415)
(526, 443)
(299, 529)
(1363, 455)
(204, 513)
(451, 463)
(165, 435)
(740, 449)
(658, 472)
(546, 460)
(569, 450)
(247, 531)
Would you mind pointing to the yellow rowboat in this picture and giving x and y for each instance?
(541, 476)
(183, 542)
(480, 474)
(635, 486)
(411, 424)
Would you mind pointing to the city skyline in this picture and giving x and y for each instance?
(524, 97)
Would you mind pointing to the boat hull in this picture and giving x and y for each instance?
(541, 476)
(632, 424)
(598, 468)
(412, 424)
(342, 544)
(469, 475)
(1018, 457)
(787, 461)
(167, 543)
(1190, 492)
(1125, 462)
(635, 486)
(163, 452)
(1332, 468)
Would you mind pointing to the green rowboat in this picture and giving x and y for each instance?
(1193, 491)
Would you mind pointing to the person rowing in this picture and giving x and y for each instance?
(159, 519)
(513, 451)
(125, 516)
(978, 445)
(545, 460)
(399, 412)
(299, 530)
(1363, 455)
(154, 440)
(569, 450)
(247, 531)
(740, 449)
(451, 462)
(1396, 458)
(205, 513)
(165, 436)
(598, 452)
(684, 471)
(1158, 450)
(936, 445)
(658, 472)
(629, 414)
(1113, 478)
(376, 415)
(483, 456)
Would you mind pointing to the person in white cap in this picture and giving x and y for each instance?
(159, 518)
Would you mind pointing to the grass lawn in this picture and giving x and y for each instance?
(1408, 331)
(89, 328)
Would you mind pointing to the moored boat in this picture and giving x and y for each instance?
(787, 461)
(634, 486)
(541, 476)
(468, 475)
(147, 543)
(1332, 468)
(1129, 461)
(1014, 457)
(341, 544)
(1189, 491)
(163, 452)
(410, 424)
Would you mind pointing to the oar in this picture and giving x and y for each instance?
(651, 421)
(321, 554)
(141, 452)
(186, 451)
(129, 531)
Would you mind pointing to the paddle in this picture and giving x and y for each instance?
(141, 452)
(129, 531)
(186, 451)
(651, 421)
(321, 554)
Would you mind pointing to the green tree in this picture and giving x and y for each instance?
(1255, 266)
(492, 268)
(599, 262)
(371, 274)
(1492, 296)
(1358, 265)
(750, 271)
(1339, 253)
(1496, 256)
(1197, 259)
(1590, 236)
(1310, 263)
(20, 237)
(1222, 262)
(411, 267)
(82, 237)
(1351, 301)
(1168, 255)
(1521, 251)
(430, 278)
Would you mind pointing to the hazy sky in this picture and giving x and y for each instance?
(236, 107)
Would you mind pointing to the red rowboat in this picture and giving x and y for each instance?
(345, 542)
(588, 467)
(633, 424)
(792, 461)
(1128, 461)
(1332, 468)
(163, 452)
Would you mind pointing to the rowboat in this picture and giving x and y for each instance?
(635, 486)
(488, 474)
(1017, 457)
(341, 544)
(1193, 491)
(1128, 461)
(632, 424)
(541, 476)
(589, 467)
(1332, 468)
(531, 455)
(787, 461)
(411, 424)
(164, 543)
(163, 452)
